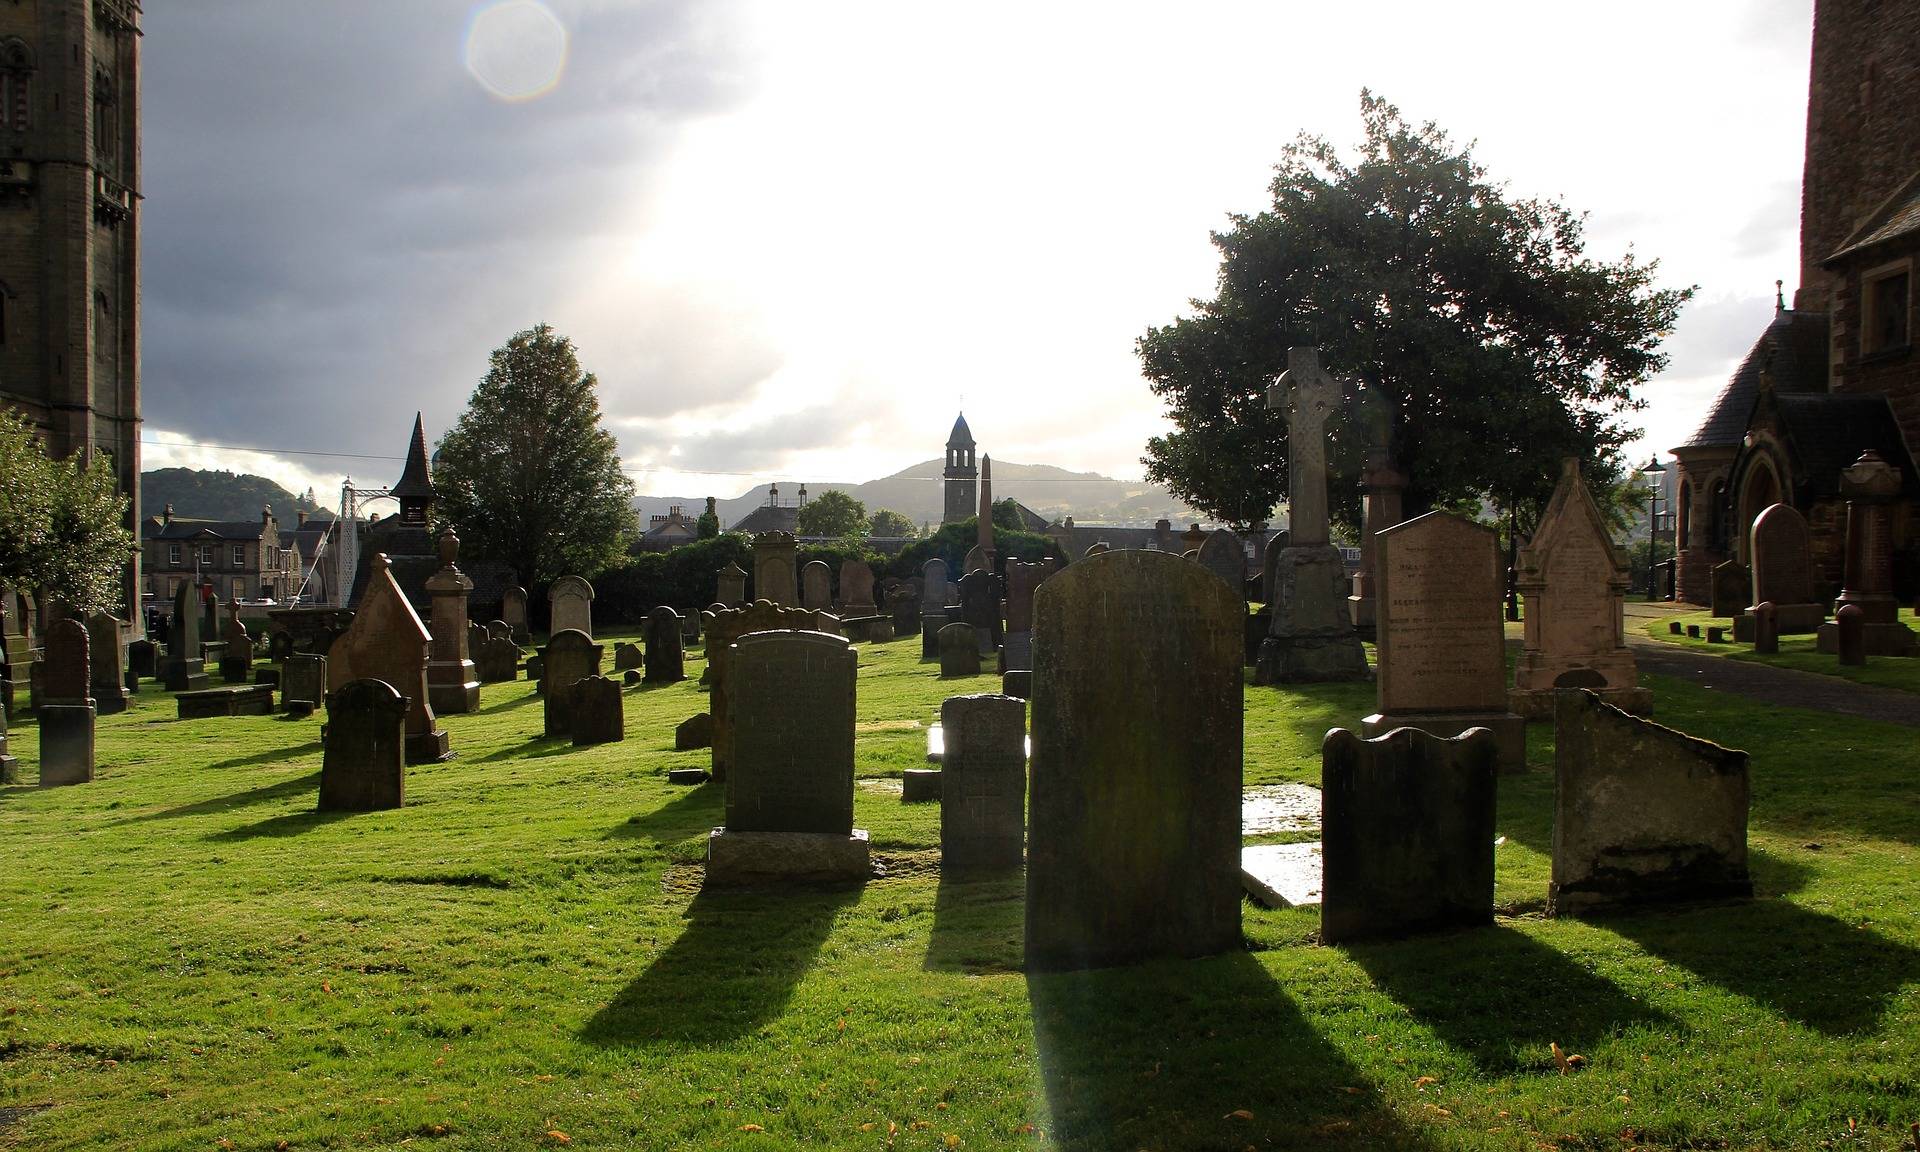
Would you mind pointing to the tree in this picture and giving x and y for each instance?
(528, 477)
(1006, 515)
(832, 513)
(1498, 345)
(62, 531)
(708, 525)
(888, 523)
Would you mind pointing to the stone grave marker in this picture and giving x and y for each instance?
(933, 585)
(1134, 811)
(1642, 813)
(513, 612)
(1222, 554)
(1730, 588)
(696, 731)
(453, 682)
(1782, 572)
(387, 642)
(66, 710)
(903, 605)
(666, 660)
(570, 601)
(597, 712)
(1406, 839)
(236, 661)
(959, 651)
(183, 669)
(730, 586)
(983, 783)
(816, 586)
(143, 659)
(723, 628)
(1870, 485)
(364, 765)
(1023, 580)
(107, 676)
(9, 763)
(571, 656)
(627, 655)
(1850, 635)
(856, 590)
(303, 683)
(930, 625)
(774, 555)
(1270, 566)
(980, 607)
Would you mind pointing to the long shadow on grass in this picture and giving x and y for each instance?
(509, 705)
(732, 969)
(268, 757)
(287, 824)
(260, 795)
(1499, 996)
(979, 924)
(696, 810)
(1164, 1055)
(1826, 973)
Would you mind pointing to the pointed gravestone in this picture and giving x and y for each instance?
(1574, 583)
(571, 656)
(513, 612)
(1134, 814)
(109, 676)
(1406, 839)
(722, 630)
(387, 642)
(730, 586)
(666, 659)
(364, 765)
(774, 556)
(453, 683)
(816, 586)
(570, 606)
(183, 669)
(1312, 637)
(66, 710)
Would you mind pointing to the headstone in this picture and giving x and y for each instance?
(598, 713)
(1023, 580)
(730, 586)
(1270, 566)
(1575, 586)
(1381, 488)
(920, 786)
(497, 659)
(1016, 653)
(903, 604)
(537, 672)
(1693, 631)
(983, 783)
(184, 670)
(1870, 486)
(236, 662)
(980, 607)
(816, 586)
(1766, 629)
(387, 642)
(695, 731)
(513, 612)
(976, 560)
(774, 554)
(571, 656)
(143, 659)
(666, 660)
(1782, 572)
(69, 668)
(1715, 635)
(628, 655)
(1674, 627)
(1642, 813)
(1730, 588)
(723, 629)
(303, 680)
(1850, 634)
(789, 800)
(453, 682)
(16, 649)
(1018, 683)
(856, 590)
(1097, 548)
(1313, 638)
(364, 765)
(570, 601)
(933, 585)
(1406, 839)
(1222, 554)
(65, 709)
(108, 678)
(1442, 647)
(930, 625)
(9, 764)
(1134, 813)
(959, 651)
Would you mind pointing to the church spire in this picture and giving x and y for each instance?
(415, 490)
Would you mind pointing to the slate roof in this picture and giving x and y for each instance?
(1828, 432)
(961, 436)
(1795, 347)
(181, 528)
(414, 480)
(1899, 216)
(768, 518)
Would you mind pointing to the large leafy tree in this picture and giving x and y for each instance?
(888, 523)
(1477, 321)
(528, 477)
(62, 523)
(832, 513)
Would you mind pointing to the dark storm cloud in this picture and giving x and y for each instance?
(339, 222)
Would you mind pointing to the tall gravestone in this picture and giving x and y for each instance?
(1870, 486)
(774, 555)
(1312, 637)
(1016, 646)
(666, 660)
(730, 586)
(933, 585)
(1575, 586)
(66, 710)
(1222, 554)
(983, 783)
(789, 793)
(1406, 840)
(1782, 573)
(1381, 485)
(16, 650)
(1642, 813)
(571, 656)
(723, 628)
(184, 670)
(108, 672)
(1442, 646)
(513, 612)
(453, 682)
(363, 767)
(570, 605)
(1134, 811)
(236, 660)
(816, 586)
(387, 642)
(980, 607)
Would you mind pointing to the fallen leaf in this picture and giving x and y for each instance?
(327, 987)
(951, 1140)
(921, 1125)
(1238, 1114)
(840, 1024)
(558, 1137)
(1028, 1130)
(1423, 1081)
(867, 1127)
(940, 1107)
(751, 1128)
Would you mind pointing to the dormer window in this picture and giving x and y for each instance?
(1886, 297)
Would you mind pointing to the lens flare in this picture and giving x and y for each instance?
(516, 49)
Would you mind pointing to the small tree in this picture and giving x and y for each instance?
(708, 525)
(888, 523)
(62, 532)
(528, 477)
(832, 513)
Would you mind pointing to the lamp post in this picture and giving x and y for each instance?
(1652, 472)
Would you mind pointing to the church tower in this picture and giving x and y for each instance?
(960, 474)
(70, 234)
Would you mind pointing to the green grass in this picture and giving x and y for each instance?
(191, 957)
(1796, 652)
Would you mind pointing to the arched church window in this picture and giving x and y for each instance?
(16, 86)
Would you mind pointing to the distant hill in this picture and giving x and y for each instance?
(213, 495)
(917, 493)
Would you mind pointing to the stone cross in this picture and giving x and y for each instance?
(1308, 396)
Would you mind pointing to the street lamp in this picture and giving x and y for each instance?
(1652, 472)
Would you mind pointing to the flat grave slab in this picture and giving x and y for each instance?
(1272, 808)
(1282, 875)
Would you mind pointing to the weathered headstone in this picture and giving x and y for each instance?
(1406, 838)
(597, 712)
(730, 586)
(1850, 635)
(933, 585)
(1134, 811)
(816, 586)
(108, 677)
(497, 659)
(1575, 584)
(980, 607)
(363, 767)
(1023, 580)
(930, 625)
(903, 605)
(1766, 629)
(1222, 554)
(1442, 647)
(666, 660)
(69, 668)
(66, 710)
(1782, 572)
(453, 682)
(1270, 566)
(789, 800)
(696, 731)
(184, 670)
(236, 662)
(387, 642)
(976, 560)
(627, 654)
(571, 656)
(143, 659)
(723, 628)
(1642, 813)
(774, 555)
(570, 601)
(983, 783)
(303, 682)
(959, 651)
(16, 650)
(1870, 485)
(513, 612)
(856, 590)
(1730, 588)
(1313, 637)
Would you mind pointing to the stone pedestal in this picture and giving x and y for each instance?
(453, 683)
(1789, 619)
(1313, 638)
(66, 744)
(184, 675)
(745, 858)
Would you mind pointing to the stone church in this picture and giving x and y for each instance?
(1835, 374)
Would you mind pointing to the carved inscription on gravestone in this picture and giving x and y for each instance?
(1441, 643)
(791, 698)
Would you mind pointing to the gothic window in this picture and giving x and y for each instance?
(106, 124)
(16, 86)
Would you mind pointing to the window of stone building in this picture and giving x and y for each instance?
(16, 86)
(106, 123)
(206, 555)
(173, 555)
(239, 555)
(239, 590)
(1885, 308)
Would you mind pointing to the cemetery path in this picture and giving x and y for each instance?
(1777, 685)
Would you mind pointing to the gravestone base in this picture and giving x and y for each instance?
(1879, 639)
(110, 701)
(1361, 609)
(463, 696)
(1509, 731)
(920, 786)
(1537, 704)
(687, 776)
(1311, 659)
(1792, 618)
(429, 747)
(301, 709)
(235, 669)
(184, 676)
(1313, 639)
(251, 700)
(745, 858)
(66, 744)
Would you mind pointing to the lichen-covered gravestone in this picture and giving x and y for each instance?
(1406, 838)
(596, 713)
(570, 604)
(723, 628)
(387, 642)
(959, 651)
(364, 765)
(789, 791)
(983, 783)
(1133, 847)
(666, 659)
(571, 656)
(1642, 813)
(109, 677)
(66, 710)
(816, 586)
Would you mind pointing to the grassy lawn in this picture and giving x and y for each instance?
(191, 957)
(1796, 652)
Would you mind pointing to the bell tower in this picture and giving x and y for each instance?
(960, 474)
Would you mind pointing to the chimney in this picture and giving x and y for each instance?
(300, 517)
(166, 515)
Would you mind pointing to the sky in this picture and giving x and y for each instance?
(792, 240)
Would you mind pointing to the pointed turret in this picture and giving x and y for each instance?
(961, 436)
(415, 490)
(959, 473)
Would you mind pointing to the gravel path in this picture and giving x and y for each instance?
(1771, 685)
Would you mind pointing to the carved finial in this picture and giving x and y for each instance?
(1779, 295)
(449, 547)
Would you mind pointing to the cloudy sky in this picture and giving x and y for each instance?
(792, 239)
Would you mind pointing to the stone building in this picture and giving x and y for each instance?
(70, 233)
(665, 533)
(1835, 374)
(961, 477)
(243, 560)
